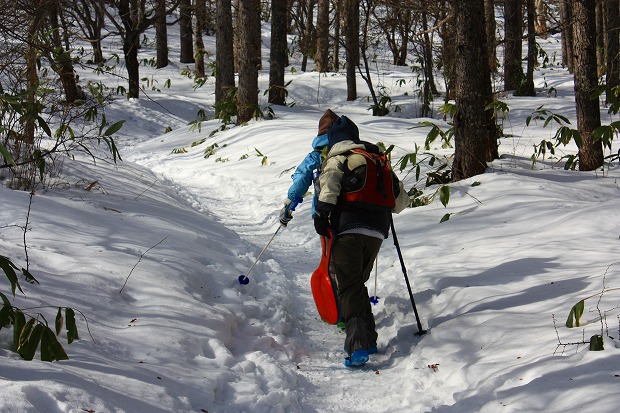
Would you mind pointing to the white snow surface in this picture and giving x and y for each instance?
(150, 257)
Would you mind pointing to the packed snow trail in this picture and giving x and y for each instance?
(280, 284)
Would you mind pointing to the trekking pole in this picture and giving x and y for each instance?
(243, 279)
(421, 331)
(375, 298)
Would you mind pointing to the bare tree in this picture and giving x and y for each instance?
(224, 68)
(278, 53)
(395, 20)
(566, 13)
(612, 76)
(490, 25)
(186, 32)
(600, 36)
(352, 44)
(161, 34)
(338, 4)
(447, 33)
(541, 18)
(89, 15)
(513, 22)
(527, 87)
(321, 56)
(307, 41)
(586, 81)
(430, 89)
(200, 27)
(134, 18)
(474, 128)
(59, 55)
(249, 59)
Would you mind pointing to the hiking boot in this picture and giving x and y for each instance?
(357, 359)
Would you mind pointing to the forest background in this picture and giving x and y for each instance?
(66, 64)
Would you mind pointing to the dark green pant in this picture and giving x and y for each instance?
(353, 256)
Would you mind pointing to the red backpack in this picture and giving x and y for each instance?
(370, 186)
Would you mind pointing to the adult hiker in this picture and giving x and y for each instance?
(302, 177)
(356, 199)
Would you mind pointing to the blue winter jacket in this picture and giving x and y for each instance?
(302, 177)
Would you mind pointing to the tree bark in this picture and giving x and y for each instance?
(586, 81)
(337, 21)
(448, 50)
(567, 33)
(429, 86)
(92, 16)
(224, 68)
(612, 76)
(307, 43)
(513, 21)
(200, 26)
(541, 19)
(249, 59)
(474, 128)
(490, 25)
(352, 25)
(278, 53)
(527, 88)
(161, 34)
(600, 37)
(60, 58)
(321, 56)
(186, 32)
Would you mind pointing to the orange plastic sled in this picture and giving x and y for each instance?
(323, 289)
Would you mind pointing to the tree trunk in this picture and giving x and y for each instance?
(527, 88)
(200, 14)
(352, 25)
(23, 177)
(186, 32)
(321, 56)
(612, 76)
(224, 68)
(307, 44)
(586, 80)
(490, 25)
(130, 50)
(600, 38)
(428, 58)
(131, 43)
(513, 21)
(92, 17)
(249, 59)
(210, 18)
(474, 127)
(60, 59)
(541, 19)
(161, 34)
(405, 31)
(448, 51)
(567, 33)
(337, 20)
(278, 53)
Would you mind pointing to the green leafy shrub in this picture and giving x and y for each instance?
(29, 332)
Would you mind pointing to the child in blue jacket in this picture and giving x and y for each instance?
(302, 177)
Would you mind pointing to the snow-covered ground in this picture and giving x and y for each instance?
(150, 257)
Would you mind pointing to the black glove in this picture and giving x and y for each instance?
(321, 224)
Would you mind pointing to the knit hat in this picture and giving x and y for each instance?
(343, 129)
(326, 121)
